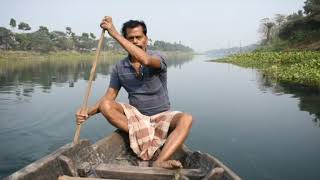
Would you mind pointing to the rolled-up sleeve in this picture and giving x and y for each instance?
(114, 79)
(163, 61)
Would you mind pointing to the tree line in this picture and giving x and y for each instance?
(43, 40)
(299, 29)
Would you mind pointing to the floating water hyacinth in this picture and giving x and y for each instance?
(293, 67)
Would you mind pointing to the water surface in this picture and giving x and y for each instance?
(259, 129)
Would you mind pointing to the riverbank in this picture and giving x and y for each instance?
(18, 60)
(65, 55)
(70, 55)
(289, 67)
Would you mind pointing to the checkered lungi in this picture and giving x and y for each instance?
(147, 133)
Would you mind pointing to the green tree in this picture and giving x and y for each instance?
(61, 41)
(280, 18)
(72, 37)
(84, 36)
(24, 26)
(23, 41)
(13, 23)
(59, 33)
(68, 31)
(294, 17)
(92, 36)
(166, 46)
(312, 7)
(85, 43)
(43, 29)
(6, 38)
(41, 40)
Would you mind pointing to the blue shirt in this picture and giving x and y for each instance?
(148, 93)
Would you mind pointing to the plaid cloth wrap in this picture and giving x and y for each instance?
(147, 133)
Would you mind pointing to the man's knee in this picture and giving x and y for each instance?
(106, 105)
(186, 120)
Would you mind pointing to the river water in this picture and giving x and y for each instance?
(260, 129)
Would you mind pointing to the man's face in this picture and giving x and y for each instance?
(137, 37)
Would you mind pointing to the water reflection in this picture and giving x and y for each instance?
(21, 78)
(309, 98)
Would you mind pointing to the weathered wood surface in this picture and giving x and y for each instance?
(227, 171)
(48, 167)
(136, 172)
(68, 165)
(89, 160)
(207, 163)
(80, 178)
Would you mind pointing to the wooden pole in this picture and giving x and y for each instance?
(76, 138)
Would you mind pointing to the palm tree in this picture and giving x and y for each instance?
(267, 28)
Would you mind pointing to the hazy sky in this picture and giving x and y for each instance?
(201, 24)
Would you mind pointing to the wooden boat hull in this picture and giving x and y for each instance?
(111, 157)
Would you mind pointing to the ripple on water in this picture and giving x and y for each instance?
(23, 124)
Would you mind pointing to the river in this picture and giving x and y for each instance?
(261, 130)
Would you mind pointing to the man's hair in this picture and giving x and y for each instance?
(132, 24)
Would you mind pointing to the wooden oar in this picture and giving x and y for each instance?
(88, 91)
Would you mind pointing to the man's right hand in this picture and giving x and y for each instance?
(82, 115)
(107, 25)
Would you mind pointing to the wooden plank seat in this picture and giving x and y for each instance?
(136, 172)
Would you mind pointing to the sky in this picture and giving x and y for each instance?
(202, 24)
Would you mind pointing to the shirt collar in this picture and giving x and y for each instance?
(126, 62)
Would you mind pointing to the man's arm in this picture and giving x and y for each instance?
(83, 114)
(111, 94)
(136, 52)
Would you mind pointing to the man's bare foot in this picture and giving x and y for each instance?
(215, 173)
(169, 164)
(218, 172)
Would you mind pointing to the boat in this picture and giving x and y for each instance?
(112, 158)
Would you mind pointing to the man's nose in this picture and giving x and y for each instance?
(135, 40)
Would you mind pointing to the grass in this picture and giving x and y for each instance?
(301, 67)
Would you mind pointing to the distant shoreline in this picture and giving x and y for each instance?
(65, 55)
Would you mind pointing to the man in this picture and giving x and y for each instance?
(143, 74)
